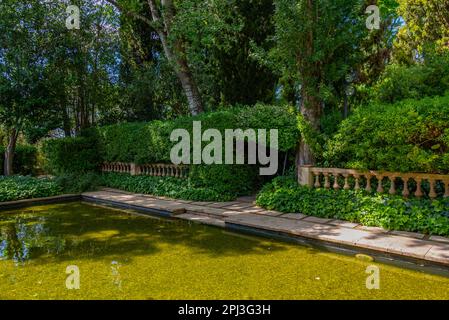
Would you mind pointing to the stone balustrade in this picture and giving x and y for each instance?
(156, 170)
(334, 178)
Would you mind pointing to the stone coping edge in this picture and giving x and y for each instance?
(122, 205)
(8, 205)
(399, 260)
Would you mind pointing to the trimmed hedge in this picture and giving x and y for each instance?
(71, 155)
(25, 159)
(406, 136)
(381, 210)
(150, 142)
(20, 187)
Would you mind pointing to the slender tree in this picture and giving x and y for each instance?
(317, 45)
(162, 18)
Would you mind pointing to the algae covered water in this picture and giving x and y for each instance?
(118, 255)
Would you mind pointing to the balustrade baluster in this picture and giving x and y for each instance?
(418, 192)
(380, 187)
(392, 187)
(406, 191)
(336, 186)
(357, 182)
(368, 183)
(346, 186)
(317, 179)
(432, 193)
(327, 184)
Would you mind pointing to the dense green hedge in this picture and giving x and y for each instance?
(150, 142)
(406, 136)
(390, 212)
(25, 159)
(71, 155)
(20, 187)
(417, 81)
(164, 186)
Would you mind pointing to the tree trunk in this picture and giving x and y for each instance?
(310, 103)
(66, 121)
(176, 55)
(161, 21)
(9, 152)
(190, 88)
(311, 111)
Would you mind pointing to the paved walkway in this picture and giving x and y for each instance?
(244, 213)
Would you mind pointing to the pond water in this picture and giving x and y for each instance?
(120, 255)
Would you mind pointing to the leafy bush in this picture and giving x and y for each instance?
(71, 155)
(24, 161)
(164, 186)
(77, 183)
(427, 79)
(406, 136)
(150, 142)
(20, 187)
(381, 210)
(233, 179)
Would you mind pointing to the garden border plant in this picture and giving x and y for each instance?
(380, 210)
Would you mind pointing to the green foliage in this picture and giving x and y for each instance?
(390, 212)
(417, 81)
(231, 179)
(25, 159)
(77, 183)
(426, 24)
(317, 44)
(21, 187)
(71, 155)
(164, 186)
(408, 136)
(150, 142)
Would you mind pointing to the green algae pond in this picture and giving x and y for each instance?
(121, 255)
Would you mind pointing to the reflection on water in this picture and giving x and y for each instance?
(125, 256)
(20, 237)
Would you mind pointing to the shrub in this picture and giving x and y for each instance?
(20, 187)
(233, 179)
(417, 81)
(164, 186)
(407, 136)
(381, 210)
(150, 142)
(71, 155)
(77, 183)
(25, 159)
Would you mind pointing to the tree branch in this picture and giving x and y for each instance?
(131, 13)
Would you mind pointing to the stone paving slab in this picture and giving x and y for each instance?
(239, 206)
(372, 229)
(400, 245)
(271, 213)
(202, 219)
(294, 216)
(317, 220)
(438, 253)
(439, 239)
(409, 244)
(409, 234)
(344, 224)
